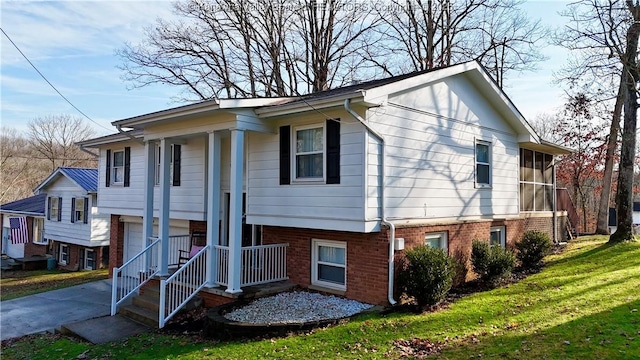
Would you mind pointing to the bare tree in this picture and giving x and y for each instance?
(225, 48)
(54, 138)
(425, 35)
(15, 165)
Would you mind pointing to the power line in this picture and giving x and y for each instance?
(48, 82)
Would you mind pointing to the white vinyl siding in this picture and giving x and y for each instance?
(313, 205)
(187, 200)
(430, 164)
(94, 233)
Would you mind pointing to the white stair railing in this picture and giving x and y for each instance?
(183, 285)
(132, 275)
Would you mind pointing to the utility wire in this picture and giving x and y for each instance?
(48, 82)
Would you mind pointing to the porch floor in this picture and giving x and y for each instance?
(252, 292)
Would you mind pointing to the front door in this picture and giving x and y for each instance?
(251, 234)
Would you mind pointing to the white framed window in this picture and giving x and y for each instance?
(117, 169)
(329, 264)
(63, 256)
(498, 236)
(79, 210)
(89, 259)
(483, 163)
(157, 163)
(309, 153)
(38, 231)
(437, 240)
(54, 208)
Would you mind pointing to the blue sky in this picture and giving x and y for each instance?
(73, 44)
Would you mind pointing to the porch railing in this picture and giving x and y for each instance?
(133, 274)
(183, 285)
(260, 264)
(177, 243)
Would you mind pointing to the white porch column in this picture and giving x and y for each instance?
(213, 205)
(235, 211)
(163, 216)
(147, 212)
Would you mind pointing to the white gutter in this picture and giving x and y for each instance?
(392, 228)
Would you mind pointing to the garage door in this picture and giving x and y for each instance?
(133, 242)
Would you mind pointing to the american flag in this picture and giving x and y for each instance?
(19, 234)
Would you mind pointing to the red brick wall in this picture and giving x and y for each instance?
(367, 259)
(367, 254)
(76, 253)
(116, 243)
(31, 249)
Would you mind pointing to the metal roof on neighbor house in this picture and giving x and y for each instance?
(87, 179)
(33, 205)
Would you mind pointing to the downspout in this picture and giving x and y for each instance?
(392, 228)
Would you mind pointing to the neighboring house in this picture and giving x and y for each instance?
(78, 235)
(341, 179)
(23, 227)
(613, 218)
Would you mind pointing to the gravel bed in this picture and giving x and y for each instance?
(296, 307)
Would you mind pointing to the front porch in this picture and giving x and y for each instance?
(263, 269)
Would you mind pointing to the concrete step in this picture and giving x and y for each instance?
(146, 302)
(142, 315)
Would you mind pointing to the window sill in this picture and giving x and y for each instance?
(41, 242)
(328, 290)
(483, 186)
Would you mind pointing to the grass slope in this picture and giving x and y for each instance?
(15, 284)
(585, 304)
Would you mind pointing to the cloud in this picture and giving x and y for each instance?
(59, 29)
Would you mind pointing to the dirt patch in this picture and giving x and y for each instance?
(417, 348)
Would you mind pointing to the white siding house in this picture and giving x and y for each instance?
(356, 172)
(77, 231)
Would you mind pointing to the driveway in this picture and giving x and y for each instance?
(49, 310)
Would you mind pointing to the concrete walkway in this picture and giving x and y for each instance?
(49, 310)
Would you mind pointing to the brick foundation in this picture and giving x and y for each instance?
(116, 243)
(76, 256)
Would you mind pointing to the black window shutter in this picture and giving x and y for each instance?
(285, 155)
(73, 210)
(177, 149)
(81, 255)
(59, 209)
(48, 208)
(333, 152)
(86, 210)
(127, 166)
(107, 175)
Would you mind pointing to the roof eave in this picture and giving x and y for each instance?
(309, 105)
(110, 139)
(27, 213)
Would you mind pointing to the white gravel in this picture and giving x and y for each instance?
(296, 307)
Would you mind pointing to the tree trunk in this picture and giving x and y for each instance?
(602, 225)
(624, 197)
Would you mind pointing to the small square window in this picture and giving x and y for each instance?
(498, 236)
(437, 240)
(329, 264)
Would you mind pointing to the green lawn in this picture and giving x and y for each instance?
(14, 284)
(584, 305)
